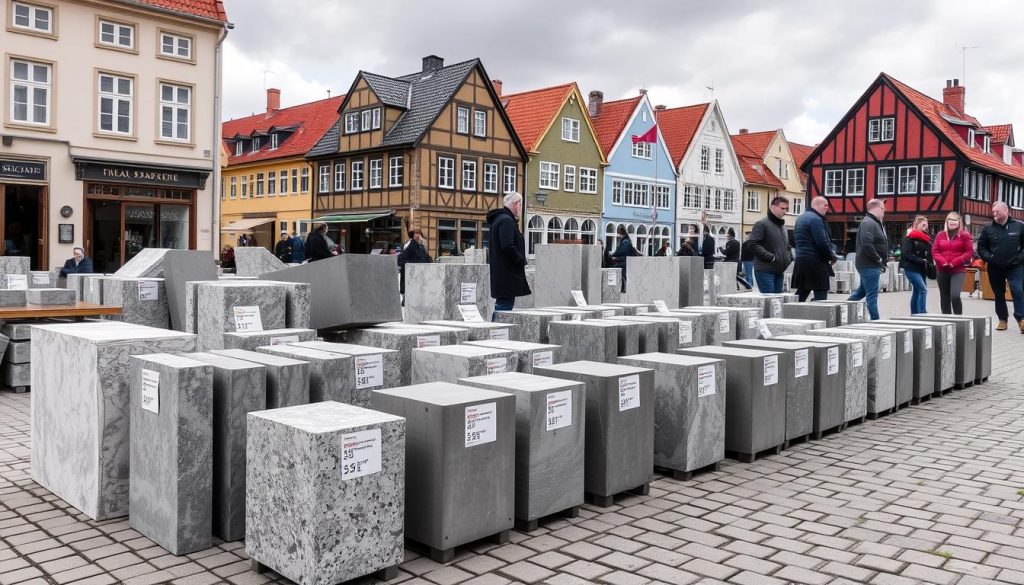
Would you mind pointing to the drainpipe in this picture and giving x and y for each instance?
(218, 71)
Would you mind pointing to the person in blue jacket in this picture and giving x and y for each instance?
(298, 251)
(812, 267)
(623, 251)
(79, 264)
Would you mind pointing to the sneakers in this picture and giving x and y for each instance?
(1021, 324)
(1001, 326)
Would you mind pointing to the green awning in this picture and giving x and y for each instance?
(352, 217)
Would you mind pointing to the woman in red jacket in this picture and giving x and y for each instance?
(952, 251)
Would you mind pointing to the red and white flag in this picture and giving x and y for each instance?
(649, 136)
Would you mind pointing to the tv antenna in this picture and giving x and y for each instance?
(963, 61)
(711, 88)
(265, 71)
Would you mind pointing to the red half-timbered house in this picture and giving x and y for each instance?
(923, 156)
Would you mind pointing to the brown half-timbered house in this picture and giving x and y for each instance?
(432, 149)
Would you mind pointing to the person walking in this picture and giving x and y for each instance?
(414, 252)
(624, 250)
(747, 260)
(812, 266)
(770, 247)
(506, 254)
(952, 250)
(872, 252)
(316, 244)
(1001, 246)
(298, 249)
(283, 249)
(706, 248)
(916, 262)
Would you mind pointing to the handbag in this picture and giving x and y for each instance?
(929, 268)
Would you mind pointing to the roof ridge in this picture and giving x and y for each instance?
(333, 97)
(538, 90)
(700, 105)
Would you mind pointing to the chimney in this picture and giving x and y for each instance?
(595, 102)
(273, 100)
(658, 109)
(953, 95)
(744, 131)
(432, 63)
(497, 86)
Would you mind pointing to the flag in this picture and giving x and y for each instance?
(649, 136)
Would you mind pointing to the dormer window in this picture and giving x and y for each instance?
(987, 144)
(273, 141)
(970, 137)
(239, 147)
(351, 122)
(255, 143)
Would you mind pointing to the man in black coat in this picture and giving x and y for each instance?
(283, 249)
(707, 248)
(506, 253)
(413, 253)
(1001, 246)
(769, 247)
(79, 264)
(316, 244)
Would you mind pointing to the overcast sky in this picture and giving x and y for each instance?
(794, 64)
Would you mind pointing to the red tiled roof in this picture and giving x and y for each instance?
(212, 9)
(755, 171)
(610, 124)
(1000, 132)
(531, 112)
(800, 153)
(757, 142)
(313, 120)
(678, 127)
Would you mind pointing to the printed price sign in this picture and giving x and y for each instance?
(970, 330)
(662, 308)
(685, 332)
(149, 291)
(470, 314)
(284, 339)
(428, 341)
(844, 314)
(705, 381)
(612, 278)
(608, 313)
(763, 329)
(908, 341)
(543, 358)
(950, 335)
(501, 334)
(833, 360)
(360, 454)
(41, 278)
(581, 301)
(801, 363)
(559, 410)
(247, 319)
(776, 308)
(752, 316)
(369, 371)
(771, 370)
(858, 354)
(467, 293)
(151, 391)
(860, 311)
(629, 392)
(481, 423)
(496, 365)
(723, 323)
(17, 282)
(886, 347)
(928, 338)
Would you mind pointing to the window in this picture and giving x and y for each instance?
(663, 196)
(339, 176)
(376, 172)
(570, 130)
(239, 147)
(490, 177)
(30, 92)
(908, 180)
(707, 197)
(324, 184)
(874, 130)
(116, 97)
(116, 34)
(32, 18)
(833, 183)
(796, 206)
(367, 117)
(245, 187)
(753, 201)
(888, 129)
(284, 182)
(469, 175)
(881, 129)
(255, 143)
(234, 187)
(987, 144)
(642, 150)
(351, 122)
(396, 171)
(549, 175)
(273, 141)
(688, 197)
(445, 172)
(479, 123)
(511, 178)
(617, 192)
(705, 158)
(357, 175)
(886, 181)
(257, 186)
(271, 182)
(728, 200)
(376, 118)
(719, 161)
(175, 112)
(970, 137)
(855, 181)
(295, 181)
(570, 178)
(175, 46)
(462, 120)
(931, 178)
(718, 199)
(588, 180)
(304, 180)
(628, 193)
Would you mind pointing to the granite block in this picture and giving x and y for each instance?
(830, 375)
(50, 296)
(143, 301)
(256, 260)
(746, 321)
(529, 325)
(575, 313)
(252, 339)
(18, 352)
(915, 364)
(92, 288)
(549, 423)
(563, 268)
(726, 322)
(325, 492)
(769, 306)
(374, 368)
(725, 278)
(13, 298)
(16, 375)
(648, 335)
(448, 363)
(966, 343)
(452, 334)
(76, 282)
(528, 355)
(696, 329)
(171, 469)
(478, 331)
(403, 341)
(611, 285)
(856, 311)
(14, 264)
(433, 292)
(662, 278)
(287, 379)
(331, 375)
(219, 301)
(590, 340)
(529, 301)
(853, 356)
(80, 412)
(942, 337)
(880, 357)
(846, 315)
(148, 263)
(179, 268)
(666, 332)
(631, 309)
(22, 330)
(297, 302)
(829, 313)
(710, 290)
(777, 327)
(800, 381)
(42, 279)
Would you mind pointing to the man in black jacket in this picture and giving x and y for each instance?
(78, 264)
(283, 249)
(770, 247)
(872, 254)
(707, 248)
(316, 244)
(506, 253)
(413, 253)
(1001, 246)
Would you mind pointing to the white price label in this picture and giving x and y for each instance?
(685, 332)
(886, 347)
(908, 341)
(662, 308)
(577, 317)
(467, 293)
(284, 339)
(559, 414)
(762, 328)
(428, 341)
(498, 365)
(151, 390)
(723, 323)
(612, 278)
(776, 308)
(988, 326)
(17, 282)
(629, 392)
(543, 358)
(801, 363)
(771, 370)
(608, 313)
(149, 290)
(752, 316)
(860, 311)
(369, 371)
(858, 354)
(481, 423)
(43, 279)
(970, 331)
(950, 335)
(581, 301)
(705, 381)
(500, 333)
(360, 454)
(833, 360)
(844, 314)
(470, 314)
(928, 338)
(247, 319)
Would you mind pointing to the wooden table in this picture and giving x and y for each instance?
(79, 310)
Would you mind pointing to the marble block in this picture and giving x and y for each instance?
(942, 338)
(880, 357)
(529, 301)
(550, 418)
(658, 278)
(171, 471)
(830, 376)
(18, 352)
(325, 492)
(856, 312)
(403, 341)
(14, 264)
(853, 358)
(689, 409)
(777, 327)
(42, 279)
(829, 313)
(16, 375)
(239, 387)
(50, 296)
(252, 339)
(192, 305)
(631, 309)
(92, 288)
(755, 412)
(611, 285)
(563, 268)
(80, 409)
(746, 321)
(725, 278)
(666, 332)
(478, 331)
(287, 379)
(724, 326)
(800, 381)
(76, 282)
(331, 375)
(433, 292)
(847, 311)
(967, 341)
(256, 260)
(149, 263)
(648, 335)
(448, 363)
(373, 368)
(12, 298)
(529, 325)
(590, 340)
(769, 306)
(915, 365)
(180, 268)
(528, 355)
(297, 302)
(143, 301)
(460, 461)
(218, 301)
(349, 290)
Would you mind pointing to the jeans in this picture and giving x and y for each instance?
(868, 289)
(769, 282)
(820, 294)
(998, 277)
(505, 304)
(919, 295)
(950, 285)
(748, 271)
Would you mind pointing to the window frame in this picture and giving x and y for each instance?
(357, 176)
(245, 186)
(33, 7)
(491, 178)
(31, 86)
(642, 150)
(851, 175)
(304, 179)
(375, 179)
(874, 130)
(271, 183)
(591, 174)
(888, 129)
(255, 144)
(375, 116)
(477, 123)
(506, 177)
(754, 196)
(462, 115)
(99, 43)
(826, 186)
(239, 147)
(189, 140)
(937, 178)
(468, 171)
(445, 170)
(719, 161)
(366, 120)
(324, 178)
(547, 172)
(705, 158)
(617, 190)
(573, 128)
(660, 191)
(339, 176)
(899, 180)
(176, 36)
(569, 178)
(98, 120)
(392, 167)
(349, 118)
(233, 187)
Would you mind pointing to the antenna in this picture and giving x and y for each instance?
(265, 71)
(963, 61)
(711, 88)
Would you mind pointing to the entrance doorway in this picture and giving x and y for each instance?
(120, 230)
(22, 223)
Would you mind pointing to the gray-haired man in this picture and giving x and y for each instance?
(507, 254)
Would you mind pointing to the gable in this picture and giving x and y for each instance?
(587, 148)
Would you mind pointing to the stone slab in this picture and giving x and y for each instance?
(331, 375)
(529, 325)
(777, 327)
(563, 268)
(769, 306)
(18, 352)
(829, 313)
(252, 339)
(50, 296)
(667, 332)
(256, 260)
(478, 331)
(589, 340)
(148, 263)
(673, 279)
(800, 381)
(433, 292)
(14, 264)
(723, 330)
(403, 341)
(143, 301)
(528, 355)
(631, 309)
(13, 298)
(448, 363)
(287, 379)
(179, 268)
(856, 311)
(42, 279)
(856, 363)
(218, 301)
(367, 374)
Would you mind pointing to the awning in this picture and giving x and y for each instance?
(246, 224)
(353, 217)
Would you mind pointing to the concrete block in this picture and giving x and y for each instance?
(829, 313)
(92, 289)
(648, 335)
(853, 313)
(18, 352)
(16, 375)
(287, 379)
(673, 279)
(12, 298)
(799, 382)
(777, 327)
(880, 355)
(433, 292)
(853, 358)
(179, 268)
(941, 338)
(725, 330)
(448, 363)
(970, 332)
(528, 355)
(915, 365)
(252, 339)
(76, 282)
(529, 325)
(14, 264)
(631, 309)
(374, 368)
(829, 382)
(42, 279)
(529, 301)
(50, 296)
(768, 306)
(662, 334)
(563, 268)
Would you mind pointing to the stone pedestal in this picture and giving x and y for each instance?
(800, 381)
(287, 379)
(695, 329)
(880, 356)
(143, 301)
(331, 375)
(941, 337)
(911, 361)
(232, 306)
(925, 354)
(528, 301)
(529, 325)
(777, 327)
(689, 410)
(80, 409)
(448, 363)
(433, 292)
(12, 298)
(460, 462)
(374, 368)
(970, 332)
(745, 319)
(723, 328)
(252, 339)
(725, 278)
(256, 260)
(611, 285)
(478, 331)
(830, 376)
(563, 268)
(325, 492)
(171, 471)
(528, 355)
(667, 333)
(50, 296)
(402, 341)
(76, 282)
(768, 306)
(677, 280)
(550, 418)
(853, 356)
(856, 311)
(181, 267)
(647, 336)
(591, 340)
(829, 313)
(619, 424)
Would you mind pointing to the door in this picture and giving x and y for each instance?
(103, 244)
(21, 220)
(139, 228)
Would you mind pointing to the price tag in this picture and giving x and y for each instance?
(844, 314)
(858, 354)
(970, 331)
(577, 317)
(360, 454)
(581, 301)
(723, 323)
(752, 316)
(497, 365)
(17, 282)
(559, 410)
(705, 381)
(908, 341)
(661, 308)
(771, 370)
(763, 329)
(776, 308)
(43, 279)
(950, 335)
(543, 358)
(801, 363)
(247, 319)
(988, 326)
(481, 422)
(928, 338)
(608, 313)
(282, 340)
(151, 391)
(428, 341)
(470, 314)
(860, 312)
(369, 371)
(886, 347)
(149, 290)
(612, 278)
(833, 360)
(498, 334)
(685, 332)
(467, 293)
(629, 392)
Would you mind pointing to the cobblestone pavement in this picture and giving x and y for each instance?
(931, 494)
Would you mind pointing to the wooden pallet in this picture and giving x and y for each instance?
(751, 457)
(531, 525)
(605, 501)
(687, 475)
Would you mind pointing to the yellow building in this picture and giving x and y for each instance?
(769, 170)
(266, 185)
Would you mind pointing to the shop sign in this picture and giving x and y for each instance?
(111, 173)
(22, 170)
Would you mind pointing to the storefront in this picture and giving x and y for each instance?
(23, 206)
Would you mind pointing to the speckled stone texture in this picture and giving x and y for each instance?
(829, 313)
(42, 279)
(287, 379)
(611, 285)
(15, 375)
(433, 292)
(149, 263)
(856, 311)
(710, 290)
(942, 340)
(22, 330)
(528, 355)
(923, 366)
(12, 298)
(830, 375)
(403, 341)
(768, 306)
(549, 463)
(784, 326)
(908, 362)
(304, 519)
(529, 325)
(448, 363)
(478, 331)
(881, 364)
(619, 443)
(665, 332)
(799, 383)
(563, 268)
(658, 278)
(171, 471)
(631, 309)
(856, 361)
(331, 375)
(590, 340)
(745, 319)
(297, 302)
(695, 329)
(252, 339)
(92, 288)
(725, 278)
(723, 328)
(256, 260)
(50, 296)
(689, 428)
(126, 292)
(365, 357)
(14, 264)
(574, 313)
(966, 344)
(454, 494)
(80, 409)
(217, 301)
(239, 387)
(181, 267)
(76, 282)
(529, 301)
(18, 352)
(191, 305)
(647, 335)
